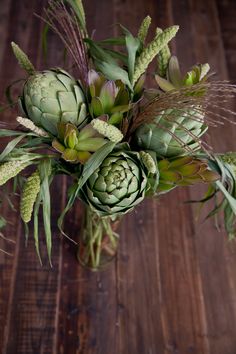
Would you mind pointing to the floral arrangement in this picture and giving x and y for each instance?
(118, 141)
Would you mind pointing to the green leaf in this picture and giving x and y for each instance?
(114, 72)
(10, 146)
(36, 225)
(45, 173)
(8, 133)
(230, 199)
(94, 162)
(113, 41)
(90, 166)
(98, 53)
(133, 45)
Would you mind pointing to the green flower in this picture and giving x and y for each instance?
(77, 146)
(175, 80)
(117, 186)
(107, 97)
(184, 171)
(51, 97)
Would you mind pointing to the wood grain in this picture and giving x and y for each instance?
(172, 289)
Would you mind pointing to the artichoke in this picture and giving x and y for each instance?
(184, 171)
(53, 96)
(117, 186)
(77, 146)
(176, 131)
(107, 97)
(172, 137)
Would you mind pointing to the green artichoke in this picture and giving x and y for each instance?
(174, 136)
(175, 132)
(117, 186)
(53, 96)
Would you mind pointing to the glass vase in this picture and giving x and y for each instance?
(99, 241)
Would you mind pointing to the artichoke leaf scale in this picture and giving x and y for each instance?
(67, 102)
(100, 184)
(126, 202)
(78, 94)
(67, 81)
(120, 193)
(50, 105)
(106, 198)
(67, 117)
(36, 113)
(133, 186)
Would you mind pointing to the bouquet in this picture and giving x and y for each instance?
(116, 140)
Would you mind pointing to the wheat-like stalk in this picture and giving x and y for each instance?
(66, 26)
(29, 196)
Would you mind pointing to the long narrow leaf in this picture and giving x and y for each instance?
(10, 146)
(90, 166)
(45, 172)
(36, 226)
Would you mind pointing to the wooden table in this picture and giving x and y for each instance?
(172, 289)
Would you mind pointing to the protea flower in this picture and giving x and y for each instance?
(107, 97)
(184, 171)
(51, 97)
(176, 131)
(175, 80)
(77, 146)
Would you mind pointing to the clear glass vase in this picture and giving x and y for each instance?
(99, 241)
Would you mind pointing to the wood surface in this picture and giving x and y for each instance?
(172, 289)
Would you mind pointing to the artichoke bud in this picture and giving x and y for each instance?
(77, 146)
(107, 97)
(117, 186)
(53, 96)
(184, 171)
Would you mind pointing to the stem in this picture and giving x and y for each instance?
(99, 239)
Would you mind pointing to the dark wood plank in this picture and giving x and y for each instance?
(212, 250)
(173, 286)
(31, 315)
